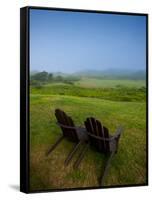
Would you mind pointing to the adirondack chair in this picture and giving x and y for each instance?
(102, 141)
(70, 132)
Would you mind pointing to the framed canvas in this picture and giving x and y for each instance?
(84, 99)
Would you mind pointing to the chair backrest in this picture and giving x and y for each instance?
(65, 120)
(94, 127)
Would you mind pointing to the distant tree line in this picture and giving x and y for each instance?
(40, 78)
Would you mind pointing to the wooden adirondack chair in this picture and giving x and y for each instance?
(102, 141)
(71, 133)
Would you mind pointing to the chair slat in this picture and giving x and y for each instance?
(59, 119)
(97, 133)
(106, 135)
(100, 133)
(59, 115)
(89, 127)
(69, 122)
(73, 131)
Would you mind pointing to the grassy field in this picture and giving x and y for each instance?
(98, 83)
(120, 93)
(129, 164)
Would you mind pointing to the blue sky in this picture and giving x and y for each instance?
(73, 41)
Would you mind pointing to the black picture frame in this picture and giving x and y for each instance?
(24, 97)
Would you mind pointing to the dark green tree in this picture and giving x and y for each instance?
(50, 77)
(59, 78)
(40, 77)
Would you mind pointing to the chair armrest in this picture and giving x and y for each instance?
(98, 137)
(70, 127)
(118, 132)
(117, 135)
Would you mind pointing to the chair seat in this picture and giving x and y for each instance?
(82, 134)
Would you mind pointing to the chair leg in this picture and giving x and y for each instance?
(54, 145)
(69, 157)
(102, 179)
(81, 156)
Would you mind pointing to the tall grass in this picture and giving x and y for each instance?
(120, 93)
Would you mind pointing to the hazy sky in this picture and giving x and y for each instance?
(72, 41)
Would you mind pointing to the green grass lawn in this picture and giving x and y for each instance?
(121, 93)
(128, 165)
(98, 83)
